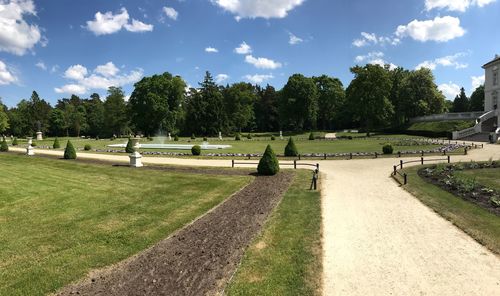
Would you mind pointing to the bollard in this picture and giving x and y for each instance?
(232, 163)
(295, 164)
(350, 155)
(448, 159)
(421, 160)
(399, 154)
(422, 152)
(395, 170)
(401, 163)
(324, 157)
(299, 156)
(376, 155)
(317, 166)
(405, 178)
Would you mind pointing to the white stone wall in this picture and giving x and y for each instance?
(489, 88)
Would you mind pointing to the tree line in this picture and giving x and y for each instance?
(377, 98)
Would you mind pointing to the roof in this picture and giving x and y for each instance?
(496, 59)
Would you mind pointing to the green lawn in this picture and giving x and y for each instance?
(285, 259)
(258, 144)
(488, 177)
(60, 219)
(442, 126)
(474, 220)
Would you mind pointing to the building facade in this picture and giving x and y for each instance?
(492, 87)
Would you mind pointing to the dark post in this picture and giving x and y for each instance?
(324, 157)
(405, 177)
(314, 180)
(376, 155)
(317, 166)
(465, 150)
(395, 170)
(299, 156)
(421, 160)
(295, 164)
(401, 163)
(248, 156)
(399, 154)
(422, 152)
(232, 163)
(350, 155)
(448, 159)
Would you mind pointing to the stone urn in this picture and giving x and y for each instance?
(135, 157)
(30, 151)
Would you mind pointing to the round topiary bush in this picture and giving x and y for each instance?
(69, 152)
(273, 138)
(311, 136)
(268, 164)
(193, 137)
(205, 139)
(56, 144)
(14, 142)
(387, 149)
(3, 146)
(196, 150)
(237, 137)
(129, 148)
(249, 136)
(291, 149)
(176, 138)
(33, 144)
(87, 147)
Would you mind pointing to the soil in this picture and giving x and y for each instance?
(198, 259)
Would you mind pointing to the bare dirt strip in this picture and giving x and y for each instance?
(200, 258)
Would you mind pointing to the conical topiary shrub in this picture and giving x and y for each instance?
(311, 136)
(69, 152)
(268, 164)
(15, 143)
(3, 146)
(291, 149)
(56, 144)
(129, 148)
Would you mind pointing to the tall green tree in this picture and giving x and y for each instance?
(156, 102)
(95, 115)
(58, 124)
(331, 98)
(299, 103)
(39, 113)
(205, 112)
(4, 119)
(399, 79)
(115, 112)
(477, 99)
(368, 96)
(239, 99)
(266, 109)
(461, 102)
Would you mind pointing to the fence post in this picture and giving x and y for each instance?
(465, 150)
(299, 156)
(399, 154)
(295, 164)
(395, 170)
(401, 163)
(248, 156)
(376, 155)
(350, 155)
(422, 160)
(232, 163)
(324, 157)
(422, 152)
(405, 177)
(448, 159)
(317, 166)
(444, 152)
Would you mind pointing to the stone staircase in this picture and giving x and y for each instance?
(479, 137)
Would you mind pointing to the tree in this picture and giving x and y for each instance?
(299, 103)
(266, 109)
(268, 164)
(461, 102)
(291, 149)
(4, 119)
(39, 113)
(238, 101)
(94, 108)
(331, 98)
(205, 113)
(399, 79)
(477, 99)
(156, 103)
(368, 96)
(69, 151)
(115, 114)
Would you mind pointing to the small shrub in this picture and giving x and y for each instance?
(311, 136)
(176, 138)
(205, 139)
(87, 147)
(33, 144)
(249, 136)
(387, 149)
(273, 138)
(129, 148)
(3, 146)
(56, 144)
(237, 137)
(196, 150)
(291, 149)
(15, 143)
(268, 164)
(193, 137)
(69, 152)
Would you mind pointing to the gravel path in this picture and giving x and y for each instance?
(380, 240)
(331, 136)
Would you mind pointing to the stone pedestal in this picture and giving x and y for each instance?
(169, 137)
(39, 136)
(220, 136)
(136, 157)
(30, 151)
(281, 135)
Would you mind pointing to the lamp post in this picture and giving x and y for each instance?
(135, 157)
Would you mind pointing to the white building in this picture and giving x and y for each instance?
(492, 88)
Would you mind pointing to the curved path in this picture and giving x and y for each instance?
(380, 240)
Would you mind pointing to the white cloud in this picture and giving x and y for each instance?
(294, 39)
(374, 58)
(102, 77)
(138, 26)
(244, 48)
(373, 39)
(16, 35)
(171, 13)
(455, 5)
(447, 61)
(440, 29)
(258, 8)
(6, 75)
(109, 69)
(262, 63)
(221, 78)
(109, 23)
(258, 78)
(450, 90)
(477, 81)
(41, 65)
(211, 49)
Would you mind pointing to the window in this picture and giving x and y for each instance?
(494, 96)
(495, 77)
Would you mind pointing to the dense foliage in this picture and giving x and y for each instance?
(70, 151)
(196, 150)
(56, 144)
(291, 149)
(129, 148)
(387, 149)
(268, 164)
(3, 146)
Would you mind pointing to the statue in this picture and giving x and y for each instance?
(39, 136)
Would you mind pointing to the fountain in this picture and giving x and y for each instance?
(135, 157)
(30, 151)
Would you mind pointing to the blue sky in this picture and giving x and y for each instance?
(61, 47)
